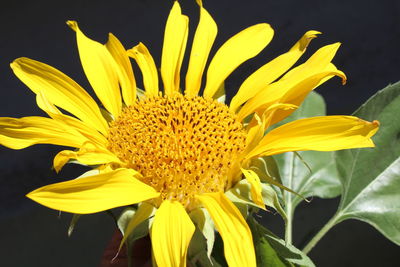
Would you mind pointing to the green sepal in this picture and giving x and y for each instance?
(271, 199)
(260, 166)
(205, 225)
(140, 93)
(240, 195)
(220, 95)
(197, 252)
(141, 230)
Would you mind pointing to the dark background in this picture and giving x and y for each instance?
(32, 235)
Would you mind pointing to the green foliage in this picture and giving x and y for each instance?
(371, 177)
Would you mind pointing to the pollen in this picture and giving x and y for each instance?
(181, 145)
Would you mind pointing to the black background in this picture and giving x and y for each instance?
(32, 235)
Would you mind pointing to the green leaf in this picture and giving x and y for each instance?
(273, 251)
(371, 176)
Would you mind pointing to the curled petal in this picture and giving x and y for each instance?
(88, 154)
(146, 64)
(256, 189)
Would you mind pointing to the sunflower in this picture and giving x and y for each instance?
(175, 151)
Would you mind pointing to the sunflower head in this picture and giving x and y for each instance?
(183, 146)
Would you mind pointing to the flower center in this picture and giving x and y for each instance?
(181, 145)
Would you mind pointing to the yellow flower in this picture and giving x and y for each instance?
(177, 150)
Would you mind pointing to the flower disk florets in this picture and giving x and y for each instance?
(181, 145)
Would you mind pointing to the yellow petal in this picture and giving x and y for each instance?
(296, 94)
(238, 241)
(292, 91)
(239, 48)
(175, 38)
(325, 133)
(255, 132)
(100, 69)
(60, 90)
(256, 189)
(203, 40)
(75, 124)
(88, 154)
(319, 60)
(271, 71)
(125, 72)
(146, 64)
(28, 131)
(94, 193)
(171, 233)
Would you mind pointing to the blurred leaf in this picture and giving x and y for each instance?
(323, 179)
(273, 251)
(74, 220)
(371, 176)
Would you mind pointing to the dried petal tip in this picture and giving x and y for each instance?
(72, 24)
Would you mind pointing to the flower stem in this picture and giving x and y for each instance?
(332, 222)
(288, 204)
(289, 226)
